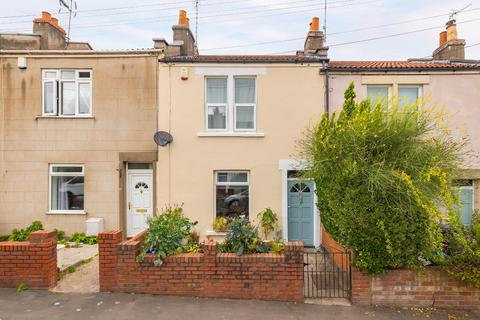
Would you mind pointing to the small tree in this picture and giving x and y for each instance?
(382, 175)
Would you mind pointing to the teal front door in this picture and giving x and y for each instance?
(300, 211)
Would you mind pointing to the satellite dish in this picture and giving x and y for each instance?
(162, 138)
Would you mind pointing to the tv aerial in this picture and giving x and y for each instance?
(71, 7)
(453, 13)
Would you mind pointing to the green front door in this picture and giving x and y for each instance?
(300, 211)
(466, 202)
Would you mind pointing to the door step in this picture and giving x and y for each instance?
(329, 302)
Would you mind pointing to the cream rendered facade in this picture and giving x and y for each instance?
(454, 93)
(290, 96)
(119, 130)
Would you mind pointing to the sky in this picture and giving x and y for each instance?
(400, 29)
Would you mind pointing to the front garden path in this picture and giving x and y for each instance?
(81, 279)
(117, 306)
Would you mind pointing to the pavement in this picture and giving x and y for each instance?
(34, 304)
(73, 256)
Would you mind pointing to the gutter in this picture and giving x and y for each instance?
(245, 61)
(425, 70)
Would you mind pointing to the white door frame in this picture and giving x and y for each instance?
(127, 198)
(289, 165)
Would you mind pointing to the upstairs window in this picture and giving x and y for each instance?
(67, 92)
(230, 103)
(378, 94)
(408, 95)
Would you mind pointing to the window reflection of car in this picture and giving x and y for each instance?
(237, 202)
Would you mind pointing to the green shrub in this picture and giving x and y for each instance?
(462, 248)
(80, 237)
(60, 234)
(243, 238)
(382, 175)
(268, 221)
(221, 224)
(22, 234)
(168, 234)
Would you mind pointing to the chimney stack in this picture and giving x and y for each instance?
(450, 47)
(53, 37)
(182, 32)
(314, 43)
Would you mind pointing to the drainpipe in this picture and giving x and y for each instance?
(327, 87)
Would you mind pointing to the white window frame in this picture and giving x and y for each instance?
(418, 87)
(60, 174)
(235, 105)
(207, 105)
(58, 107)
(230, 184)
(230, 106)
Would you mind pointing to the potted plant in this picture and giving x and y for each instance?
(268, 222)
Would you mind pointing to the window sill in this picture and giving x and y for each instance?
(64, 117)
(231, 134)
(66, 212)
(215, 233)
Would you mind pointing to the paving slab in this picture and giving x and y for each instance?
(71, 256)
(118, 306)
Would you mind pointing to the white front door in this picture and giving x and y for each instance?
(139, 200)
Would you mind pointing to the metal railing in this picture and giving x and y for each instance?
(327, 274)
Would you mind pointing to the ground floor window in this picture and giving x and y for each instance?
(231, 193)
(66, 187)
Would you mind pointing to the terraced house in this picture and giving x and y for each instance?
(73, 121)
(78, 125)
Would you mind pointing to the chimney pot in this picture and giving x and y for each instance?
(182, 18)
(188, 22)
(46, 15)
(443, 38)
(451, 30)
(314, 25)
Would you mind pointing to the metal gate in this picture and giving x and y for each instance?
(327, 274)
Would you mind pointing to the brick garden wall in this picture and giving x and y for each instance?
(32, 262)
(208, 274)
(430, 287)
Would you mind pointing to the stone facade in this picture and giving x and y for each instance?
(120, 129)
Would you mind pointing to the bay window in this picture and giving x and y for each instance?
(67, 92)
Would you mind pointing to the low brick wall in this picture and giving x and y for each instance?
(209, 274)
(32, 262)
(429, 287)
